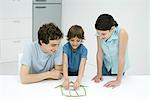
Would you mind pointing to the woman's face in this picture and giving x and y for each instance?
(75, 42)
(105, 34)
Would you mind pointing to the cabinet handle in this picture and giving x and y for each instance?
(16, 21)
(40, 7)
(41, 0)
(17, 41)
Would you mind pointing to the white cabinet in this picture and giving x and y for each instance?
(15, 27)
(10, 48)
(15, 8)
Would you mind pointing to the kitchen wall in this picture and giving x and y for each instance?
(130, 14)
(148, 36)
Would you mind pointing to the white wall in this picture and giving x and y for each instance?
(130, 14)
(148, 36)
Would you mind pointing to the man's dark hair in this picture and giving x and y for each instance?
(75, 31)
(49, 32)
(105, 22)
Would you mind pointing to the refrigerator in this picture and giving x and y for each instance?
(45, 11)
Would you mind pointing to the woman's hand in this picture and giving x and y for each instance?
(97, 78)
(112, 84)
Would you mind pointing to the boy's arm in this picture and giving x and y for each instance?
(27, 78)
(65, 66)
(81, 70)
(122, 48)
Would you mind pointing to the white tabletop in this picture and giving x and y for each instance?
(132, 88)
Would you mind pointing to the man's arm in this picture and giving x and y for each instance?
(27, 78)
(59, 67)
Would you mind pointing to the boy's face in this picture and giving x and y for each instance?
(51, 47)
(75, 42)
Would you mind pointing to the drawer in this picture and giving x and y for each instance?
(15, 8)
(13, 28)
(11, 48)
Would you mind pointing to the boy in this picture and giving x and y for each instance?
(74, 56)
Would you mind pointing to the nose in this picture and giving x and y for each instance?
(103, 33)
(75, 43)
(55, 48)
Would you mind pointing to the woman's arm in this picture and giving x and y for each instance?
(99, 57)
(123, 40)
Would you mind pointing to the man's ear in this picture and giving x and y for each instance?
(42, 42)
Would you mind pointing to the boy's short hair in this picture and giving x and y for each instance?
(49, 32)
(105, 22)
(75, 31)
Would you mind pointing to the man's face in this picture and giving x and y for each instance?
(51, 47)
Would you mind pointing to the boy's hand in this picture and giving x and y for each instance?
(112, 84)
(76, 85)
(66, 84)
(97, 78)
(55, 74)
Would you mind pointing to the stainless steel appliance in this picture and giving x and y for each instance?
(45, 11)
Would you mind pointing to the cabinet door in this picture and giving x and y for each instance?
(45, 13)
(15, 8)
(14, 28)
(11, 48)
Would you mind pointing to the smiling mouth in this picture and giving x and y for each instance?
(74, 46)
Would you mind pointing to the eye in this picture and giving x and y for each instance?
(53, 45)
(72, 40)
(78, 40)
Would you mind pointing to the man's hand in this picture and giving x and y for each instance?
(55, 74)
(97, 78)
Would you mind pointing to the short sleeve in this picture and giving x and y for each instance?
(26, 57)
(84, 52)
(65, 49)
(58, 56)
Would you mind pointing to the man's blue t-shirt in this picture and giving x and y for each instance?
(37, 60)
(74, 58)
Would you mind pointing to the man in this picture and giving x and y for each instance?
(42, 59)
